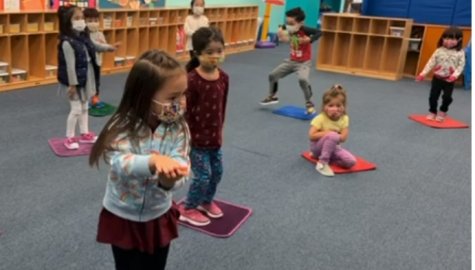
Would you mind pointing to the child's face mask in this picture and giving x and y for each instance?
(93, 26)
(211, 61)
(449, 43)
(170, 112)
(198, 10)
(79, 25)
(292, 28)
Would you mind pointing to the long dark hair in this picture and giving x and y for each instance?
(200, 40)
(147, 76)
(65, 15)
(454, 33)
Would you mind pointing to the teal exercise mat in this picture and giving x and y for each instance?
(101, 109)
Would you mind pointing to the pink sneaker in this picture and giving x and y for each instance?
(430, 116)
(211, 209)
(71, 143)
(194, 217)
(440, 117)
(88, 138)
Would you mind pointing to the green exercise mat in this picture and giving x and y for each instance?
(101, 109)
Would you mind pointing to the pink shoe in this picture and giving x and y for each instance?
(211, 209)
(440, 117)
(194, 217)
(71, 143)
(88, 138)
(430, 116)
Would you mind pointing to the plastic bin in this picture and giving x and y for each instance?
(18, 75)
(396, 31)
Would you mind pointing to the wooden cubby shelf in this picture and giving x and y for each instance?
(28, 41)
(366, 46)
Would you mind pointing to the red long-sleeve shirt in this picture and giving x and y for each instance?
(206, 109)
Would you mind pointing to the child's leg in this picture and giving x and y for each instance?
(435, 91)
(216, 162)
(84, 118)
(279, 72)
(134, 259)
(326, 146)
(343, 158)
(200, 165)
(73, 117)
(447, 97)
(303, 72)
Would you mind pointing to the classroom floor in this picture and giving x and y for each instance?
(413, 212)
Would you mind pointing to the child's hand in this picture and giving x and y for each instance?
(72, 91)
(419, 78)
(452, 79)
(117, 45)
(304, 40)
(168, 167)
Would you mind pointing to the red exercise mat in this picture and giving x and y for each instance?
(234, 216)
(447, 123)
(57, 145)
(361, 165)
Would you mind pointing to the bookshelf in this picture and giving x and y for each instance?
(28, 39)
(365, 46)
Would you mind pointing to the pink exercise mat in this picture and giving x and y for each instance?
(57, 145)
(234, 217)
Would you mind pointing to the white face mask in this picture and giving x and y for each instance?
(198, 10)
(79, 25)
(93, 26)
(291, 28)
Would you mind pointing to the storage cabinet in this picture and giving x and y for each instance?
(28, 41)
(365, 46)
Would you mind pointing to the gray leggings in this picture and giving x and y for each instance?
(288, 67)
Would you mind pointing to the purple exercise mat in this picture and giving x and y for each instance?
(57, 145)
(234, 216)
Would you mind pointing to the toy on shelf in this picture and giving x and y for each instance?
(79, 3)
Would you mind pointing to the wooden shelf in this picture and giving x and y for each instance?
(363, 46)
(29, 40)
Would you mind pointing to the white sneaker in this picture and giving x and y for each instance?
(324, 169)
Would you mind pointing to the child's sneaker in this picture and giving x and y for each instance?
(194, 217)
(430, 116)
(324, 169)
(440, 117)
(211, 209)
(270, 100)
(88, 138)
(310, 107)
(71, 143)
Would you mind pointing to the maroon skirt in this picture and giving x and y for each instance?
(143, 236)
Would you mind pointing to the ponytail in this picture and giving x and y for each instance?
(193, 63)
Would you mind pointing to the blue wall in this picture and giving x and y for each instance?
(448, 12)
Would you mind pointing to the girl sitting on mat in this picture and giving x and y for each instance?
(146, 143)
(206, 106)
(447, 62)
(328, 130)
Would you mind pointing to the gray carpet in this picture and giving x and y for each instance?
(411, 213)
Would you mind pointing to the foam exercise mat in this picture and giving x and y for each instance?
(57, 145)
(361, 165)
(294, 112)
(233, 218)
(101, 109)
(446, 124)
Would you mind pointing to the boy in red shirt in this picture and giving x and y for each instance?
(301, 39)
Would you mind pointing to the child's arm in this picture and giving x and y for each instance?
(70, 58)
(225, 101)
(312, 35)
(189, 29)
(103, 46)
(180, 154)
(283, 35)
(316, 134)
(429, 66)
(459, 66)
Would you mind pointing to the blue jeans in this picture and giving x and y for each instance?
(207, 167)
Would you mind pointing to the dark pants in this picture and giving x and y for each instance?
(136, 260)
(440, 86)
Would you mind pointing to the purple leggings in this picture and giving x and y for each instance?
(328, 150)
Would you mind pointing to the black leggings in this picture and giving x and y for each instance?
(440, 86)
(136, 260)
